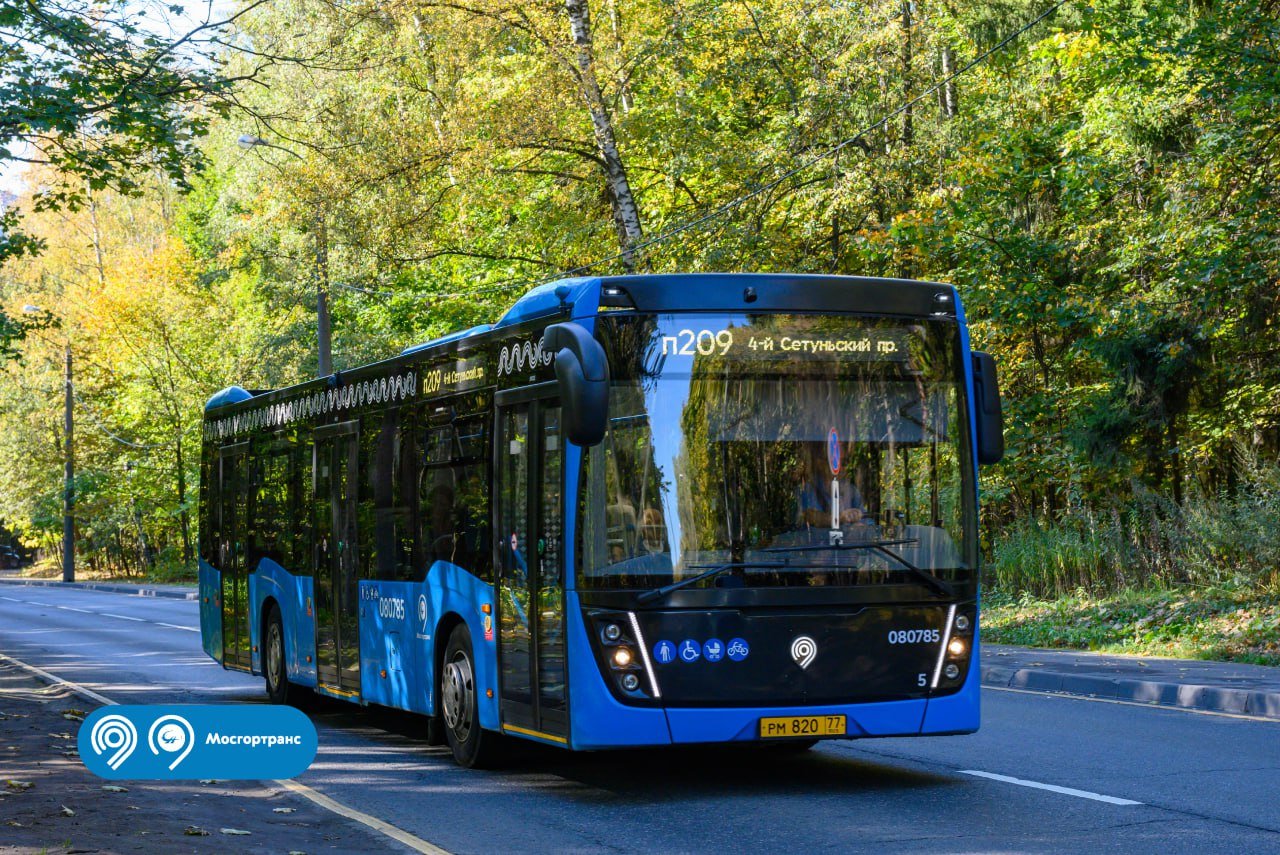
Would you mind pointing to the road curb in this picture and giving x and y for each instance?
(1180, 695)
(135, 590)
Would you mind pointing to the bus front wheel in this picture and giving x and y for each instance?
(472, 746)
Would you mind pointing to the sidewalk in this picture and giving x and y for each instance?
(1187, 683)
(49, 802)
(172, 592)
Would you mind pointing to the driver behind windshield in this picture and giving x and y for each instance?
(819, 491)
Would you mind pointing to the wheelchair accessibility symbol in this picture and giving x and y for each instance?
(690, 650)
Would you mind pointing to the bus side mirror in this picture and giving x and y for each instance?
(582, 372)
(986, 393)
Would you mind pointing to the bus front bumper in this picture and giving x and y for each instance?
(635, 727)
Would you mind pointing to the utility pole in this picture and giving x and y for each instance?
(69, 480)
(324, 354)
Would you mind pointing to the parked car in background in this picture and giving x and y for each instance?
(10, 558)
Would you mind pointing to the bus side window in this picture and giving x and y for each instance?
(408, 465)
(271, 533)
(301, 507)
(208, 499)
(454, 495)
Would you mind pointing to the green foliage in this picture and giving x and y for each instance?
(1228, 539)
(90, 89)
(1103, 191)
(1232, 624)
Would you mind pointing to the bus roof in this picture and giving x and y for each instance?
(673, 292)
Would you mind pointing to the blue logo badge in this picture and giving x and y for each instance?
(190, 742)
(713, 649)
(664, 652)
(738, 649)
(833, 451)
(690, 650)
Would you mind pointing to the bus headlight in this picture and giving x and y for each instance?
(951, 671)
(957, 647)
(962, 623)
(623, 655)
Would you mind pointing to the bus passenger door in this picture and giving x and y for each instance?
(531, 644)
(336, 594)
(233, 461)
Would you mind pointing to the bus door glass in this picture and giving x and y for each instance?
(233, 507)
(336, 595)
(531, 649)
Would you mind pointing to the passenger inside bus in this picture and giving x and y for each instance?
(653, 533)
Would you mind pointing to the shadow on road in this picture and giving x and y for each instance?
(651, 775)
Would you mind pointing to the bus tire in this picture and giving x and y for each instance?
(472, 746)
(274, 667)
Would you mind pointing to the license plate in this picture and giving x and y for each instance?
(800, 726)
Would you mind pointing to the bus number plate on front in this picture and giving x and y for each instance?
(792, 726)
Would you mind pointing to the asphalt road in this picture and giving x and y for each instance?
(1045, 774)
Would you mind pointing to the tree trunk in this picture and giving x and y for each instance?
(626, 214)
(182, 497)
(625, 99)
(908, 129)
(947, 94)
(99, 261)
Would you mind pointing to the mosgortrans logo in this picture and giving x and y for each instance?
(230, 742)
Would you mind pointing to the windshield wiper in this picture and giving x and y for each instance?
(924, 576)
(659, 593)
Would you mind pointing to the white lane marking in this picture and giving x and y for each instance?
(417, 844)
(1036, 785)
(57, 681)
(109, 614)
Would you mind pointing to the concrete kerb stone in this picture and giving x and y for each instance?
(1184, 696)
(135, 590)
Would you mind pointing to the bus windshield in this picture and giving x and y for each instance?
(788, 450)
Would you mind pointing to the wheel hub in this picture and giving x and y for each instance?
(275, 656)
(458, 691)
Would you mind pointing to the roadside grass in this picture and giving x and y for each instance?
(164, 573)
(1218, 623)
(1148, 577)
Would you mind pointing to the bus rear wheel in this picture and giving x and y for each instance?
(274, 667)
(472, 746)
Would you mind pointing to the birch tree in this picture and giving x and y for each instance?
(626, 213)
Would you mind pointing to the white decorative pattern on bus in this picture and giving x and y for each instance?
(374, 391)
(514, 357)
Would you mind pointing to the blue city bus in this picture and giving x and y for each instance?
(637, 510)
